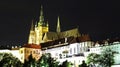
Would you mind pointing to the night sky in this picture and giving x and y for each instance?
(98, 18)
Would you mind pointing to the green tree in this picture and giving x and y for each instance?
(47, 61)
(8, 60)
(31, 62)
(93, 57)
(83, 64)
(43, 61)
(105, 59)
(66, 64)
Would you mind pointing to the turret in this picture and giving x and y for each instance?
(47, 25)
(41, 18)
(32, 26)
(31, 35)
(58, 26)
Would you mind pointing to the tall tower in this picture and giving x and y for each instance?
(58, 26)
(42, 27)
(41, 18)
(37, 33)
(31, 39)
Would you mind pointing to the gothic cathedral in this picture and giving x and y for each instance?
(37, 31)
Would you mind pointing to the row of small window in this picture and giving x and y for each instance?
(114, 47)
(27, 51)
(95, 50)
(78, 50)
(61, 56)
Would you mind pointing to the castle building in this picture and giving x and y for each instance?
(63, 45)
(39, 32)
(23, 53)
(30, 49)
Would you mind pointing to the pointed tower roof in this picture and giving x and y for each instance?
(41, 12)
(58, 26)
(32, 26)
(36, 24)
(41, 18)
(47, 24)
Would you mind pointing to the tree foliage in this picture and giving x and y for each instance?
(8, 60)
(66, 64)
(93, 57)
(83, 64)
(31, 62)
(47, 61)
(106, 58)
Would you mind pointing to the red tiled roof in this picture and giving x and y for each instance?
(32, 46)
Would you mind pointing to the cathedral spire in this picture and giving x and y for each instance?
(58, 25)
(47, 24)
(41, 13)
(36, 24)
(41, 18)
(32, 26)
(31, 38)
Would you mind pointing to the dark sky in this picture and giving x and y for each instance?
(98, 18)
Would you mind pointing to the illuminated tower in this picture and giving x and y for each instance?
(31, 39)
(41, 28)
(41, 18)
(58, 26)
(37, 34)
(38, 31)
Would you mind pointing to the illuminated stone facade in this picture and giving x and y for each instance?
(22, 53)
(30, 49)
(38, 31)
(75, 50)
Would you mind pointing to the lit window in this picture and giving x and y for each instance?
(70, 50)
(78, 48)
(27, 51)
(34, 52)
(74, 50)
(37, 52)
(60, 55)
(30, 52)
(21, 51)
